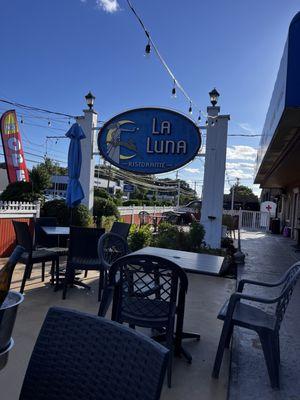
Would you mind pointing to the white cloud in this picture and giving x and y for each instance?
(247, 153)
(247, 127)
(192, 170)
(109, 6)
(239, 173)
(240, 165)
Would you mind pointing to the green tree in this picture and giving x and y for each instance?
(19, 191)
(40, 178)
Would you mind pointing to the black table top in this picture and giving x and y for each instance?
(196, 263)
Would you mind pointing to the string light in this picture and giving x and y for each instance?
(199, 117)
(174, 95)
(190, 109)
(22, 121)
(49, 123)
(148, 49)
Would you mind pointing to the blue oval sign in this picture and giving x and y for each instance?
(149, 140)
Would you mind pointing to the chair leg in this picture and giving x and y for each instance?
(269, 346)
(65, 283)
(43, 271)
(101, 284)
(86, 273)
(229, 335)
(221, 348)
(25, 276)
(56, 266)
(170, 346)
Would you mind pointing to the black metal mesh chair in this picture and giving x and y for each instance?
(121, 228)
(82, 254)
(266, 324)
(145, 290)
(48, 242)
(80, 356)
(111, 246)
(31, 256)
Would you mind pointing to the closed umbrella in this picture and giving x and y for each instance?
(74, 192)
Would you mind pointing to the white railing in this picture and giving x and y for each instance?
(19, 209)
(251, 220)
(153, 210)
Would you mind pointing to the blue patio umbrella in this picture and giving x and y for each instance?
(74, 192)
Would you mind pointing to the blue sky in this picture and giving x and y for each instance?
(54, 52)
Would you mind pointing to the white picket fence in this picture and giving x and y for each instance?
(251, 220)
(134, 210)
(19, 209)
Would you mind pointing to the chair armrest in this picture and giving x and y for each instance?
(242, 283)
(236, 297)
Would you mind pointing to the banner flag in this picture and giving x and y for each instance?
(12, 146)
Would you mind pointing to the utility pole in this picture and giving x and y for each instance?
(232, 192)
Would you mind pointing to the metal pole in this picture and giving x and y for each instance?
(232, 197)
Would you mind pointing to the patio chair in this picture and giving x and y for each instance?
(111, 246)
(81, 356)
(266, 325)
(145, 290)
(44, 241)
(82, 254)
(31, 256)
(121, 228)
(144, 218)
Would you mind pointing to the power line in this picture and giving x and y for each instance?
(28, 107)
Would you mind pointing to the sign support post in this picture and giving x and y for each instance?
(214, 174)
(88, 123)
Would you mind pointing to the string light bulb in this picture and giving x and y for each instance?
(148, 49)
(174, 95)
(199, 117)
(22, 121)
(49, 123)
(190, 109)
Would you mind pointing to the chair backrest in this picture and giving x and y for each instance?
(289, 281)
(84, 241)
(144, 217)
(121, 228)
(41, 238)
(111, 246)
(23, 235)
(148, 287)
(81, 356)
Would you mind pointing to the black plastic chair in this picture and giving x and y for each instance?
(121, 228)
(267, 325)
(48, 242)
(31, 256)
(145, 290)
(111, 246)
(83, 255)
(80, 356)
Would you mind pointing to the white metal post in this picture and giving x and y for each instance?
(88, 122)
(214, 174)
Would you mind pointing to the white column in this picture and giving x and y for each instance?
(88, 122)
(214, 176)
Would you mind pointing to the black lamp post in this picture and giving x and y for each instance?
(90, 98)
(214, 97)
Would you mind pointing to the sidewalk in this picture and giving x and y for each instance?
(267, 258)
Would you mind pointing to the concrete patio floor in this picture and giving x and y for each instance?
(205, 297)
(267, 258)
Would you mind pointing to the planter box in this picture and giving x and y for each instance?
(8, 313)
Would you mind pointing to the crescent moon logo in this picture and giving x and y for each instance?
(114, 141)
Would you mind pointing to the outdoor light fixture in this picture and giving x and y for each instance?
(214, 96)
(90, 98)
